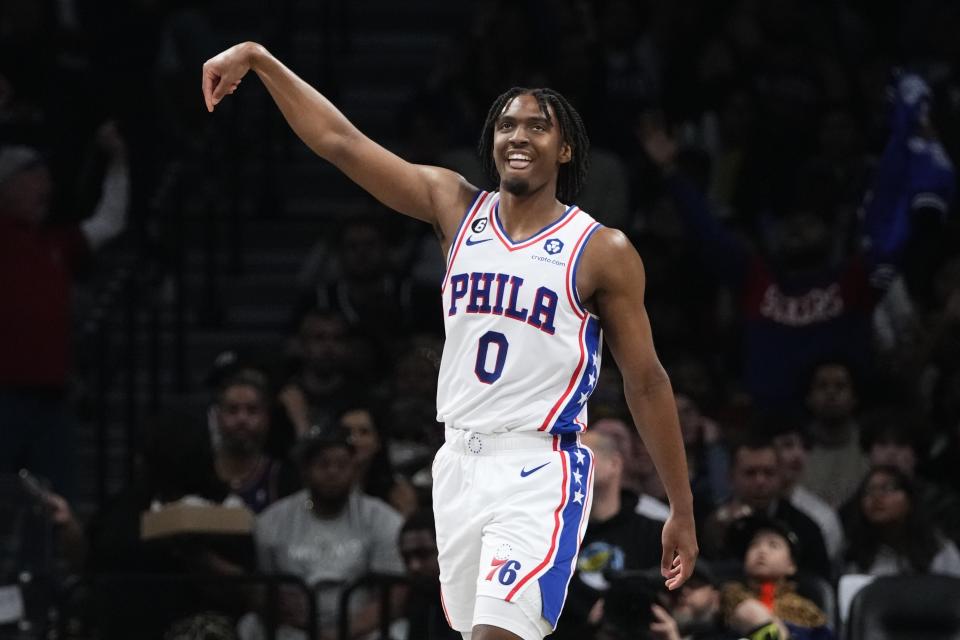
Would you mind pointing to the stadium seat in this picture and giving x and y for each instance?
(925, 607)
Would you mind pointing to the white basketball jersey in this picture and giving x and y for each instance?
(521, 353)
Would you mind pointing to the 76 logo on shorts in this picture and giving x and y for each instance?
(506, 570)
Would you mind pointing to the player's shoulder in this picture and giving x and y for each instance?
(609, 246)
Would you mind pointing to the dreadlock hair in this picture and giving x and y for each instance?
(573, 174)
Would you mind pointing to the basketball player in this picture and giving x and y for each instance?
(530, 282)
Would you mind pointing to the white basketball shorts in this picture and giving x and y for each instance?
(511, 510)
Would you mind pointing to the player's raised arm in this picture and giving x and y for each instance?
(616, 287)
(431, 194)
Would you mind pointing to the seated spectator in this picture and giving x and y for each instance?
(242, 420)
(888, 532)
(638, 475)
(319, 382)
(637, 606)
(768, 548)
(706, 454)
(366, 289)
(177, 462)
(895, 438)
(329, 533)
(653, 497)
(617, 539)
(411, 410)
(425, 619)
(835, 463)
(755, 483)
(693, 612)
(791, 445)
(375, 474)
(37, 263)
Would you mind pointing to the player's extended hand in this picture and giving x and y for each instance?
(223, 72)
(679, 550)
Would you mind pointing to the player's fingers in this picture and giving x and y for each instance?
(683, 570)
(219, 91)
(674, 582)
(210, 80)
(666, 561)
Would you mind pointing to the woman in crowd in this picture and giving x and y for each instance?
(889, 533)
(375, 474)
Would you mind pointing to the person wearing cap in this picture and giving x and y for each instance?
(769, 547)
(329, 532)
(693, 612)
(755, 477)
(37, 262)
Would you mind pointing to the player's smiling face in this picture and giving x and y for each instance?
(528, 146)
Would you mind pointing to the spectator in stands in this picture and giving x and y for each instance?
(755, 482)
(798, 299)
(365, 288)
(693, 612)
(321, 351)
(889, 533)
(768, 548)
(836, 463)
(792, 299)
(709, 460)
(637, 467)
(37, 264)
(617, 539)
(242, 421)
(792, 453)
(177, 462)
(637, 607)
(423, 607)
(375, 474)
(895, 437)
(329, 533)
(410, 410)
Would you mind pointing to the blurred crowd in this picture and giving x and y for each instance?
(784, 168)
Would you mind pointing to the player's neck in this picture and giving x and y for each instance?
(522, 216)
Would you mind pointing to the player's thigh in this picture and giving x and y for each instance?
(458, 527)
(540, 507)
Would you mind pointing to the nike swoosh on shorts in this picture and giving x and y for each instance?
(524, 473)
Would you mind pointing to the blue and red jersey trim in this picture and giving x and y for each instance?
(553, 227)
(553, 573)
(590, 341)
(458, 237)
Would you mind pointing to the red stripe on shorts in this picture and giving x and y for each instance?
(553, 538)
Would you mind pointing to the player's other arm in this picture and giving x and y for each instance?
(430, 194)
(617, 289)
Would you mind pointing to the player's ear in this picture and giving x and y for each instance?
(566, 152)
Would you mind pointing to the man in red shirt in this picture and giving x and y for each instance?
(37, 262)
